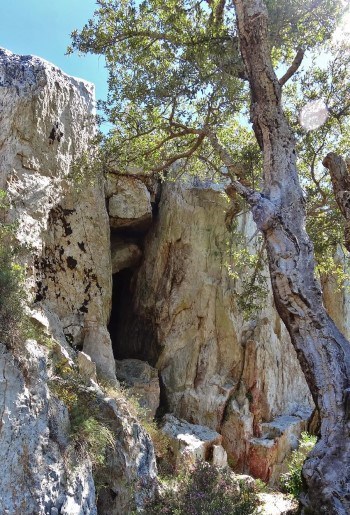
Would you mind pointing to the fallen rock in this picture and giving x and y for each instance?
(192, 441)
(267, 454)
(124, 254)
(142, 379)
(275, 503)
(129, 206)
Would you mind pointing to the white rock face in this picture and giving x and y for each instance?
(35, 478)
(46, 122)
(193, 442)
(129, 202)
(218, 370)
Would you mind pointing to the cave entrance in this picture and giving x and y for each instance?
(119, 324)
(132, 333)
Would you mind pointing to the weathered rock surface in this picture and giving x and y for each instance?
(143, 382)
(46, 122)
(217, 369)
(35, 477)
(125, 254)
(86, 367)
(194, 442)
(129, 203)
(267, 454)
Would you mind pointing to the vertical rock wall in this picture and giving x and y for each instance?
(217, 370)
(46, 123)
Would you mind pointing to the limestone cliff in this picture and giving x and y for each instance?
(47, 122)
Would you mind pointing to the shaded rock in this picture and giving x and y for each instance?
(87, 368)
(124, 254)
(130, 203)
(142, 379)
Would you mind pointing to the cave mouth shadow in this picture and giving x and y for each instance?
(120, 313)
(132, 333)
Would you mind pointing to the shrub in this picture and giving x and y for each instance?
(90, 435)
(205, 490)
(291, 482)
(11, 283)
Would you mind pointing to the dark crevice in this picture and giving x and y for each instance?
(132, 335)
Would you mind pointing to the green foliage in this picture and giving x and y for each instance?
(205, 490)
(12, 293)
(88, 169)
(175, 75)
(247, 266)
(291, 482)
(90, 435)
(326, 81)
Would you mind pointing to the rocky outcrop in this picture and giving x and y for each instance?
(217, 369)
(47, 122)
(34, 426)
(129, 203)
(142, 381)
(62, 225)
(192, 442)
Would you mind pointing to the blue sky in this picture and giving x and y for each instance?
(42, 28)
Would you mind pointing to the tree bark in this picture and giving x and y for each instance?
(339, 173)
(323, 352)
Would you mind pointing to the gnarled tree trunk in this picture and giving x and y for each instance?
(323, 352)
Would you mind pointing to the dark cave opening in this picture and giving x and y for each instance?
(120, 314)
(132, 334)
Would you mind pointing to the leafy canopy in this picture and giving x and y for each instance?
(175, 69)
(178, 94)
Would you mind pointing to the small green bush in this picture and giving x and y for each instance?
(205, 490)
(291, 482)
(91, 435)
(11, 283)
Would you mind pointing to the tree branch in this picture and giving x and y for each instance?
(293, 67)
(233, 169)
(182, 155)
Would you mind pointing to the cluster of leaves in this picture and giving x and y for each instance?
(175, 75)
(12, 293)
(323, 81)
(88, 169)
(291, 482)
(205, 490)
(247, 267)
